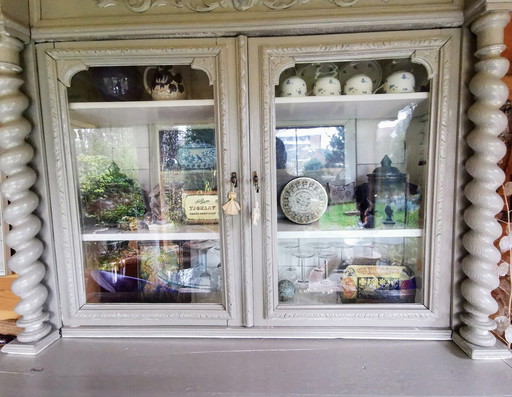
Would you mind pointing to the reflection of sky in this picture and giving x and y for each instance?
(396, 128)
(304, 143)
(324, 133)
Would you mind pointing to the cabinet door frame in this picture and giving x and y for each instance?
(438, 51)
(57, 65)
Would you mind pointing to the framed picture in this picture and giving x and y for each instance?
(184, 174)
(200, 207)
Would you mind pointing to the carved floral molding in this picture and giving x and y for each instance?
(209, 5)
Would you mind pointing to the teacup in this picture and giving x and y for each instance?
(399, 82)
(358, 84)
(293, 86)
(327, 86)
(326, 81)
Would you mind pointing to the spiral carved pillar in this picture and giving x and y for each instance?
(480, 265)
(15, 154)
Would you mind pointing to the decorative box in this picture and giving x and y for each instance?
(378, 284)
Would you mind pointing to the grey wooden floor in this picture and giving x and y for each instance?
(240, 367)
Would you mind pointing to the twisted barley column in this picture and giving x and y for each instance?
(480, 265)
(15, 154)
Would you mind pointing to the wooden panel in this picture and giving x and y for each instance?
(7, 299)
(508, 54)
(57, 19)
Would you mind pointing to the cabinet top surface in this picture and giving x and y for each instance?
(57, 20)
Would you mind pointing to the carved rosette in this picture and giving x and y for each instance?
(16, 153)
(480, 265)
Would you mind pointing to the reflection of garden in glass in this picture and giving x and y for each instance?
(343, 215)
(312, 151)
(402, 219)
(152, 271)
(110, 190)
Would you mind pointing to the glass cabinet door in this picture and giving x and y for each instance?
(148, 180)
(349, 174)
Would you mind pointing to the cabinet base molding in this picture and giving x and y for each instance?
(31, 349)
(254, 332)
(497, 352)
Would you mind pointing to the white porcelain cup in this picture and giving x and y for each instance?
(325, 86)
(293, 86)
(399, 82)
(358, 84)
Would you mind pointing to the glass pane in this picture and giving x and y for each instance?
(146, 172)
(351, 165)
(159, 271)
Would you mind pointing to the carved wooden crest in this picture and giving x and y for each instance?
(209, 5)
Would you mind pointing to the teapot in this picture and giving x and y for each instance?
(166, 83)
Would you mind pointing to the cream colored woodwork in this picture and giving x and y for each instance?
(102, 114)
(15, 156)
(294, 109)
(244, 95)
(57, 20)
(480, 265)
(216, 57)
(436, 51)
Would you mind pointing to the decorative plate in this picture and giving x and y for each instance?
(303, 200)
(371, 69)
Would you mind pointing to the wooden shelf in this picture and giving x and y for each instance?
(326, 108)
(180, 233)
(289, 230)
(130, 113)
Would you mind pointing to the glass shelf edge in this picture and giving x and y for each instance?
(368, 233)
(174, 236)
(140, 104)
(352, 98)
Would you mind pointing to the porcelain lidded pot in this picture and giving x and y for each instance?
(326, 82)
(166, 83)
(399, 82)
(118, 83)
(197, 156)
(293, 86)
(359, 84)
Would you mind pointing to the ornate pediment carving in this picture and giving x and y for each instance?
(209, 5)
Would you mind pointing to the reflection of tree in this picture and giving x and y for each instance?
(201, 135)
(111, 144)
(109, 196)
(169, 149)
(313, 165)
(108, 174)
(335, 155)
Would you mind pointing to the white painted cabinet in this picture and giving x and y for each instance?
(377, 261)
(139, 182)
(346, 201)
